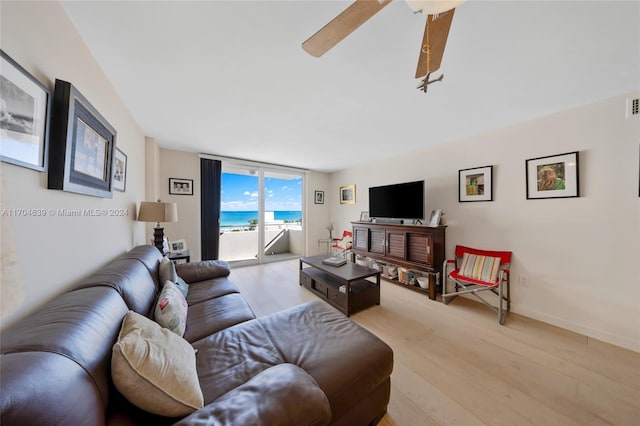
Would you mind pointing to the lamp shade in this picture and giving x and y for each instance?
(152, 211)
(432, 7)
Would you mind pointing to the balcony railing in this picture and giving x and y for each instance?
(280, 238)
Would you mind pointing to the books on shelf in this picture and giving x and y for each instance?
(334, 261)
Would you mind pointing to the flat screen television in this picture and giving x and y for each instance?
(399, 201)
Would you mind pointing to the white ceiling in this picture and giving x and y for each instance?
(230, 77)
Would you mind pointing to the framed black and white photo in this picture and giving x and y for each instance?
(177, 246)
(25, 114)
(555, 176)
(120, 171)
(475, 184)
(364, 217)
(318, 197)
(180, 186)
(83, 145)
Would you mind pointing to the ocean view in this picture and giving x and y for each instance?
(236, 219)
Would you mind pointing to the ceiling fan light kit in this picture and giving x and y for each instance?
(432, 7)
(440, 16)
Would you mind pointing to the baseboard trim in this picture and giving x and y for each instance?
(589, 332)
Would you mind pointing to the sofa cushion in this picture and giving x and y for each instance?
(280, 395)
(63, 348)
(171, 309)
(210, 289)
(129, 277)
(346, 360)
(155, 369)
(203, 270)
(150, 257)
(213, 315)
(231, 357)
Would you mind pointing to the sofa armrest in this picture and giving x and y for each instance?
(203, 270)
(283, 394)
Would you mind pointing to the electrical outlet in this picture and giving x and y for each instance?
(524, 280)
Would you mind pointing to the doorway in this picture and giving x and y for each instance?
(261, 214)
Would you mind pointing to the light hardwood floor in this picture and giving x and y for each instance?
(455, 365)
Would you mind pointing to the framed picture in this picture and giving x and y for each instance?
(120, 171)
(348, 194)
(177, 246)
(555, 176)
(364, 216)
(475, 184)
(82, 143)
(25, 113)
(434, 219)
(180, 186)
(318, 197)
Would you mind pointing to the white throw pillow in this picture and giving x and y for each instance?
(155, 369)
(171, 309)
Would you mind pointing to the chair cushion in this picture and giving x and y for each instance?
(477, 267)
(171, 309)
(155, 369)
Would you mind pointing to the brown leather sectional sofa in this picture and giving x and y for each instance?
(305, 365)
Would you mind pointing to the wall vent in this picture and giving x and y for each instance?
(633, 107)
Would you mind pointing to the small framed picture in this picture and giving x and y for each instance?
(180, 186)
(177, 246)
(120, 171)
(555, 176)
(348, 194)
(434, 219)
(364, 216)
(25, 114)
(475, 184)
(318, 197)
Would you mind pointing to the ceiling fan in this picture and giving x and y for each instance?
(439, 17)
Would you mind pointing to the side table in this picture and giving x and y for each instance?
(183, 255)
(326, 241)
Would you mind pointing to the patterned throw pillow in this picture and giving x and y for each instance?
(482, 268)
(155, 369)
(171, 309)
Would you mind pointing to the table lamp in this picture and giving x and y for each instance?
(151, 211)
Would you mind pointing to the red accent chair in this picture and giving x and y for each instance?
(342, 246)
(476, 271)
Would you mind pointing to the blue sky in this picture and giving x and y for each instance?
(240, 193)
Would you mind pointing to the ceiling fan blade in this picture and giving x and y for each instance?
(435, 36)
(342, 25)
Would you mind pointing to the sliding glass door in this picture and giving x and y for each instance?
(260, 214)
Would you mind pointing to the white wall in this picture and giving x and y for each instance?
(187, 166)
(182, 165)
(41, 256)
(317, 216)
(581, 255)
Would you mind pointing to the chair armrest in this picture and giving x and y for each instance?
(281, 395)
(203, 270)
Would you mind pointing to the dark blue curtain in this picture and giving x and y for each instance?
(210, 184)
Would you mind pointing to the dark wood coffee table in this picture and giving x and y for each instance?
(345, 287)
